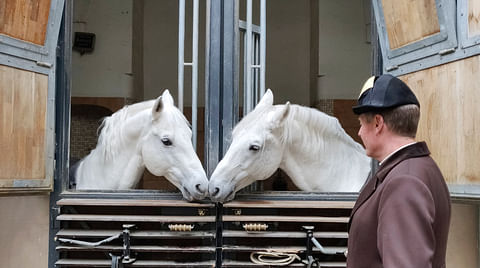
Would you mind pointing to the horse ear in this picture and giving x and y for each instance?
(266, 101)
(167, 98)
(157, 107)
(278, 115)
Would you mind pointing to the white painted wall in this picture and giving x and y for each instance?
(344, 54)
(107, 71)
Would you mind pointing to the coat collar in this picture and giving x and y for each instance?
(415, 150)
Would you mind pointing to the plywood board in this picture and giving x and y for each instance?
(449, 120)
(25, 19)
(23, 100)
(473, 18)
(409, 21)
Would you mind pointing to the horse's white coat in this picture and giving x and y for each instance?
(310, 146)
(137, 137)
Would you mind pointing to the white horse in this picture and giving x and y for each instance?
(310, 146)
(152, 134)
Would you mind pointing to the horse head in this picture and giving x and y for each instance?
(255, 152)
(167, 149)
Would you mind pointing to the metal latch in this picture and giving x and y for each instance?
(391, 68)
(446, 51)
(44, 64)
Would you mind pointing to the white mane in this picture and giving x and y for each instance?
(111, 137)
(317, 127)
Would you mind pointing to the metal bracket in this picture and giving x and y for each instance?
(126, 243)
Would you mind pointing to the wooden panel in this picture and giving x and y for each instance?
(23, 100)
(409, 21)
(25, 19)
(135, 218)
(473, 18)
(130, 203)
(288, 204)
(449, 95)
(270, 218)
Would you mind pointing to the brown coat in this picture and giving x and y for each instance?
(402, 216)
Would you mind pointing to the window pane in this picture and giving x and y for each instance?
(25, 20)
(473, 18)
(409, 21)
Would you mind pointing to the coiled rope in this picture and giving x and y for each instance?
(272, 257)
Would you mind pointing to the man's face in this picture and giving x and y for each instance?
(367, 133)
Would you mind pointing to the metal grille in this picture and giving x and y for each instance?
(151, 240)
(283, 222)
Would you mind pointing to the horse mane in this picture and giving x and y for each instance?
(111, 137)
(321, 127)
(110, 133)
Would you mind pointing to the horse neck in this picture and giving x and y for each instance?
(117, 153)
(317, 150)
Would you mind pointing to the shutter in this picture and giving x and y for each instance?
(410, 31)
(28, 38)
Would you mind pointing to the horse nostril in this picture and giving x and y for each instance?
(216, 191)
(198, 188)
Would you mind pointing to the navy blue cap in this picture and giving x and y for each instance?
(384, 92)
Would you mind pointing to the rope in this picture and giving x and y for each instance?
(90, 244)
(273, 258)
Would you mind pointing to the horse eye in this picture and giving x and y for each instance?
(166, 141)
(254, 147)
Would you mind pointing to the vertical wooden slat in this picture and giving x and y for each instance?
(409, 21)
(449, 121)
(25, 19)
(473, 18)
(23, 99)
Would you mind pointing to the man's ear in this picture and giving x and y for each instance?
(379, 123)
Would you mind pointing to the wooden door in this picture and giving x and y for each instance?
(445, 78)
(28, 39)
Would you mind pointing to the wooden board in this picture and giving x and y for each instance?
(449, 95)
(473, 18)
(25, 19)
(131, 203)
(23, 102)
(409, 21)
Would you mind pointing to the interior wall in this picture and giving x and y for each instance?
(107, 71)
(288, 51)
(160, 56)
(24, 230)
(344, 48)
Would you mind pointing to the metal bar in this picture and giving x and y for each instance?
(263, 44)
(213, 80)
(242, 25)
(230, 72)
(256, 68)
(245, 97)
(195, 73)
(62, 124)
(181, 51)
(248, 55)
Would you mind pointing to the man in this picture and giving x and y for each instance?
(402, 215)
